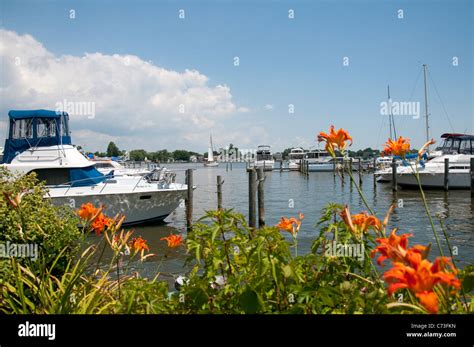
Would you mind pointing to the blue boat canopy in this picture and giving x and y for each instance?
(35, 128)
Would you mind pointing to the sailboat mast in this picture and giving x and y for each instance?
(390, 112)
(426, 104)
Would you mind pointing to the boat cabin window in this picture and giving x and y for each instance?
(104, 166)
(264, 156)
(466, 147)
(64, 125)
(46, 127)
(22, 128)
(53, 176)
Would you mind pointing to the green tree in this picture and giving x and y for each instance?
(138, 155)
(113, 150)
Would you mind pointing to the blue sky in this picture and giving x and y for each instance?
(282, 61)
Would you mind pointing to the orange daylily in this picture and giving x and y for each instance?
(420, 279)
(173, 240)
(292, 225)
(100, 223)
(335, 140)
(361, 222)
(87, 211)
(399, 147)
(394, 247)
(138, 244)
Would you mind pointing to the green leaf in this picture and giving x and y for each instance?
(250, 301)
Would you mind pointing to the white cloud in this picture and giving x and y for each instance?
(136, 103)
(268, 107)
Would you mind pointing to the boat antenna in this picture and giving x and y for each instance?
(425, 67)
(391, 119)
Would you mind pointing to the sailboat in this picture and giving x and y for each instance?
(210, 156)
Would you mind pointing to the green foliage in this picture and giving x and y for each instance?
(237, 270)
(35, 220)
(113, 150)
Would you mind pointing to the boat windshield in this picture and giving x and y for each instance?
(466, 147)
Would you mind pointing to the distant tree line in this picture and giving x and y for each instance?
(185, 155)
(141, 154)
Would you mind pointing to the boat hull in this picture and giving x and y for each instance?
(457, 179)
(326, 167)
(211, 164)
(267, 165)
(138, 207)
(293, 166)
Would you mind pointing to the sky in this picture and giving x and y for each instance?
(167, 74)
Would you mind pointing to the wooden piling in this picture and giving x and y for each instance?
(252, 197)
(446, 174)
(219, 192)
(189, 200)
(226, 167)
(472, 177)
(360, 171)
(261, 197)
(230, 166)
(394, 175)
(281, 165)
(374, 170)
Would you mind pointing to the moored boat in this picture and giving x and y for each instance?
(39, 141)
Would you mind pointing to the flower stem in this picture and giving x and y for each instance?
(428, 213)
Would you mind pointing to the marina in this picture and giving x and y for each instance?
(203, 167)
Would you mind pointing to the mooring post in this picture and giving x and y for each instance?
(261, 197)
(226, 167)
(446, 174)
(374, 170)
(189, 200)
(281, 165)
(394, 175)
(472, 177)
(219, 192)
(360, 171)
(307, 168)
(334, 167)
(252, 197)
(230, 166)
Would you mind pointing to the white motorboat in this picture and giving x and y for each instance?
(39, 142)
(383, 172)
(459, 149)
(210, 156)
(106, 166)
(319, 161)
(264, 158)
(295, 157)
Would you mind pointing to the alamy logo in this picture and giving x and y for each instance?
(77, 108)
(400, 108)
(15, 250)
(354, 250)
(37, 330)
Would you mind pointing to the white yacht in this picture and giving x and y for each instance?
(383, 172)
(459, 149)
(264, 158)
(210, 156)
(39, 141)
(106, 166)
(319, 161)
(295, 157)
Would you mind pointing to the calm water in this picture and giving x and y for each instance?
(309, 196)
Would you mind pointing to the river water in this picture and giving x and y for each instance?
(288, 193)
